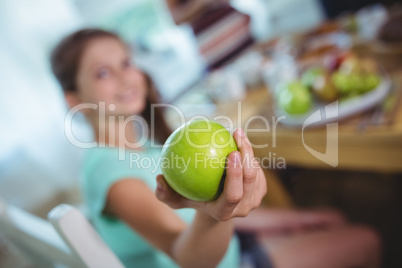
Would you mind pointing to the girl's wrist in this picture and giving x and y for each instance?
(209, 220)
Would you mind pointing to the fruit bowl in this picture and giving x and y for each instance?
(338, 109)
(341, 85)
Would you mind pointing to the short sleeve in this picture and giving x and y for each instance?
(100, 177)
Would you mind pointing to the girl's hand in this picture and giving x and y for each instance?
(245, 186)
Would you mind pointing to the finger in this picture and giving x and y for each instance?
(164, 193)
(252, 199)
(233, 188)
(260, 190)
(173, 199)
(249, 172)
(249, 176)
(167, 195)
(261, 184)
(250, 166)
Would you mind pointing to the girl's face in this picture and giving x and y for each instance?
(107, 75)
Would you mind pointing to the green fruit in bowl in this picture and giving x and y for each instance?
(348, 83)
(324, 89)
(356, 83)
(295, 98)
(351, 65)
(194, 159)
(371, 81)
(309, 76)
(318, 79)
(341, 82)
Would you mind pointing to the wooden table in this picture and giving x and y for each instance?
(376, 148)
(361, 145)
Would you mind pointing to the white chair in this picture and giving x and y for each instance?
(67, 238)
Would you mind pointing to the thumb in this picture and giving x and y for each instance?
(167, 195)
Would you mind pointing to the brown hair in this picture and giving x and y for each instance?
(65, 60)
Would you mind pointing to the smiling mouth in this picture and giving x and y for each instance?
(127, 96)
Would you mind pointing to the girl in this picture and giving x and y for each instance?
(94, 67)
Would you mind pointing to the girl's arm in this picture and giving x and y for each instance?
(204, 242)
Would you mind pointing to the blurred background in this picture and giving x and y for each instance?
(206, 57)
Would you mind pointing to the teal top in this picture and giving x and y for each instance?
(105, 166)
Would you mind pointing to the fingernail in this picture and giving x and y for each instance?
(237, 158)
(239, 132)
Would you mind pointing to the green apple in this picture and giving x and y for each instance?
(341, 82)
(194, 159)
(295, 98)
(309, 76)
(347, 84)
(351, 65)
(356, 82)
(371, 81)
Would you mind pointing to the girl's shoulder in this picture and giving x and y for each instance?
(109, 158)
(105, 166)
(105, 163)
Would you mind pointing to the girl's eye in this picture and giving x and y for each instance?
(102, 73)
(126, 64)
